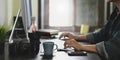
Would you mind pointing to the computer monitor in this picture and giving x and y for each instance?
(26, 12)
(28, 46)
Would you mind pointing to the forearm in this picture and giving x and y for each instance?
(90, 48)
(81, 37)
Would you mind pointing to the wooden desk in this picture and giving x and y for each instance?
(60, 55)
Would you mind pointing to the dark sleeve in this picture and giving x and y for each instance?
(99, 36)
(102, 51)
(110, 50)
(113, 47)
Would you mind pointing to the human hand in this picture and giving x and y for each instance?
(68, 35)
(72, 43)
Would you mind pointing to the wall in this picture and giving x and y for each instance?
(9, 13)
(2, 11)
(86, 12)
(12, 8)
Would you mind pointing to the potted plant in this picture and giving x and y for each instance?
(3, 36)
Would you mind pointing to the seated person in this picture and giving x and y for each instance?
(107, 39)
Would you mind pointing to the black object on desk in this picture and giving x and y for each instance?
(73, 53)
(22, 47)
(65, 50)
(77, 53)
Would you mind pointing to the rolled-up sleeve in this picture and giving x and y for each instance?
(100, 47)
(101, 50)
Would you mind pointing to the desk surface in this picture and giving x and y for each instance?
(58, 55)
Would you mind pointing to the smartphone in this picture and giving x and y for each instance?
(77, 53)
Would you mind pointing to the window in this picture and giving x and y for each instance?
(61, 11)
(56, 14)
(69, 15)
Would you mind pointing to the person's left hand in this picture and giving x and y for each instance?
(72, 43)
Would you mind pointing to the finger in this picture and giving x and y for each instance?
(67, 44)
(62, 35)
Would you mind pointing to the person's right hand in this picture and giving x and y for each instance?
(68, 35)
(73, 43)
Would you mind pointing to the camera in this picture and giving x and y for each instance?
(24, 46)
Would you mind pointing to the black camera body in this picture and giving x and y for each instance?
(22, 47)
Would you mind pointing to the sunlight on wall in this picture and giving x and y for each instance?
(2, 12)
(61, 13)
(9, 12)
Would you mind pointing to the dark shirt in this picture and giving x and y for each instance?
(108, 38)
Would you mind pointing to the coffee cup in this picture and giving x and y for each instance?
(49, 48)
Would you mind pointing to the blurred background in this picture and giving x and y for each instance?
(63, 15)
